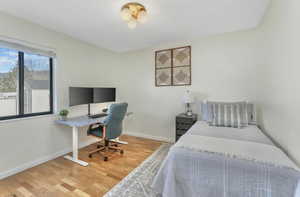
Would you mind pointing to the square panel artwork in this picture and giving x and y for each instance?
(173, 67)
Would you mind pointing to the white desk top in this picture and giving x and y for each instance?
(80, 121)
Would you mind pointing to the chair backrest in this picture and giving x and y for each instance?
(114, 120)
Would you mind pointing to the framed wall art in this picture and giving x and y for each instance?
(173, 67)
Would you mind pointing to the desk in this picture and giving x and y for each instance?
(75, 123)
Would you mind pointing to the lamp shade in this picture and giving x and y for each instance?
(188, 97)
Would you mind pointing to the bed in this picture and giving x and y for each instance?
(213, 161)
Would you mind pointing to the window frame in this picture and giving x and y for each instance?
(21, 78)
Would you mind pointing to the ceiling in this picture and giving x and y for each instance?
(98, 21)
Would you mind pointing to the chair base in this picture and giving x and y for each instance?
(106, 147)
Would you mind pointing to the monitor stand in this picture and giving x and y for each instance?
(89, 110)
(93, 116)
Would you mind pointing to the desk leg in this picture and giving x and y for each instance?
(74, 158)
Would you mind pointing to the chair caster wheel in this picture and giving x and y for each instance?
(122, 152)
(105, 159)
(90, 155)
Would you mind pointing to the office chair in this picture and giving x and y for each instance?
(111, 128)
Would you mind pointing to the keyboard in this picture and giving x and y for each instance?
(98, 115)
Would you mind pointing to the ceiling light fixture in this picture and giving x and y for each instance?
(134, 13)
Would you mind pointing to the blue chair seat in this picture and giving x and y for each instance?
(98, 132)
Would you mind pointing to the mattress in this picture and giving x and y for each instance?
(250, 133)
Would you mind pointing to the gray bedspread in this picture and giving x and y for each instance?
(189, 173)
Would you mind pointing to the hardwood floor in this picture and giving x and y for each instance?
(61, 177)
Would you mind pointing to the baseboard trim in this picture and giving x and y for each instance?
(41, 160)
(152, 137)
(44, 159)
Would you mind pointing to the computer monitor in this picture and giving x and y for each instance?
(80, 96)
(103, 95)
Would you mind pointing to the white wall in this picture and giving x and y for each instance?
(279, 94)
(223, 68)
(78, 64)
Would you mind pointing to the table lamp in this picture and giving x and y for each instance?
(188, 99)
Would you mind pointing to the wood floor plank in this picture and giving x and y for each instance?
(81, 193)
(25, 192)
(62, 178)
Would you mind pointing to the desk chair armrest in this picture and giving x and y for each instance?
(95, 127)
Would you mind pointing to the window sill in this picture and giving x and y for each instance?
(27, 118)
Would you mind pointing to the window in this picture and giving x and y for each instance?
(26, 87)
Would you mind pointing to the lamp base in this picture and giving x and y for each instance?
(188, 110)
(189, 113)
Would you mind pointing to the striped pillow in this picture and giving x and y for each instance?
(229, 114)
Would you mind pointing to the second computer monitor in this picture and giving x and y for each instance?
(103, 95)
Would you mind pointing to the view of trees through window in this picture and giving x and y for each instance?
(9, 73)
(35, 82)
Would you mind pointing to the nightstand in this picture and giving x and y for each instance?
(184, 123)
